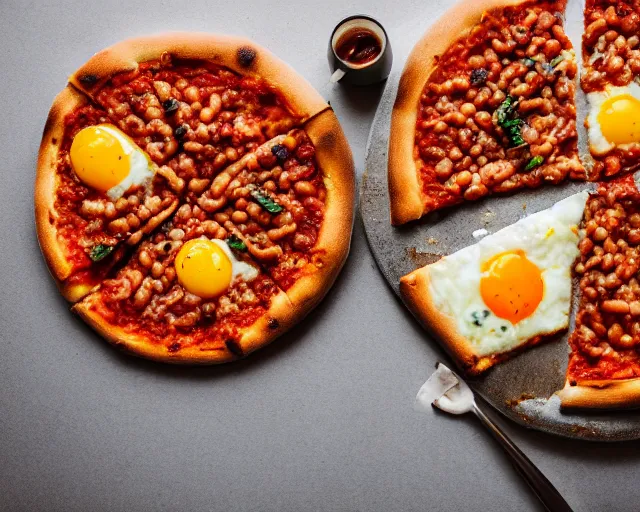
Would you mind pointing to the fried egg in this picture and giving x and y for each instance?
(515, 284)
(614, 118)
(207, 268)
(106, 159)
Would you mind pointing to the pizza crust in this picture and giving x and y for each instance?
(238, 54)
(268, 327)
(45, 186)
(600, 394)
(335, 161)
(405, 191)
(415, 291)
(46, 183)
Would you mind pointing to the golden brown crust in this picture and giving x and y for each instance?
(334, 158)
(45, 188)
(416, 293)
(601, 394)
(273, 323)
(241, 55)
(405, 191)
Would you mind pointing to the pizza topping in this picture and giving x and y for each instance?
(510, 123)
(263, 199)
(479, 76)
(107, 192)
(185, 285)
(611, 56)
(518, 278)
(607, 334)
(280, 152)
(99, 252)
(534, 162)
(236, 244)
(499, 97)
(211, 113)
(170, 105)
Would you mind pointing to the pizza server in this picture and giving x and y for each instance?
(449, 393)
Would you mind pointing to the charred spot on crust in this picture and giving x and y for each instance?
(246, 56)
(50, 122)
(327, 140)
(234, 348)
(88, 79)
(273, 324)
(54, 140)
(174, 347)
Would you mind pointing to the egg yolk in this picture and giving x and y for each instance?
(99, 158)
(511, 286)
(203, 268)
(619, 119)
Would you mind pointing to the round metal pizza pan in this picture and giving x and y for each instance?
(522, 388)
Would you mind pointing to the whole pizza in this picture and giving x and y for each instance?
(194, 196)
(486, 106)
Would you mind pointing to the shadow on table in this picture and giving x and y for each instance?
(361, 99)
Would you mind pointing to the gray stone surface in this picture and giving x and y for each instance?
(321, 420)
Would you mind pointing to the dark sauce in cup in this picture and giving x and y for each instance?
(358, 46)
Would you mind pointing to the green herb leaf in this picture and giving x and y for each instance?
(100, 252)
(534, 162)
(528, 61)
(509, 122)
(556, 61)
(505, 110)
(236, 244)
(479, 316)
(264, 200)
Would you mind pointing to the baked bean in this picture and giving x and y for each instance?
(305, 188)
(440, 127)
(615, 306)
(192, 94)
(239, 217)
(468, 109)
(600, 234)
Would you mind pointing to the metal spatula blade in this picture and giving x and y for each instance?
(449, 393)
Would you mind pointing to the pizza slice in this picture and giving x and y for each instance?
(509, 291)
(604, 365)
(611, 55)
(189, 295)
(95, 191)
(197, 102)
(485, 105)
(288, 204)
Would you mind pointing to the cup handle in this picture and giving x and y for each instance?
(337, 75)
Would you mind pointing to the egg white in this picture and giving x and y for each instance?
(598, 144)
(239, 269)
(549, 239)
(140, 172)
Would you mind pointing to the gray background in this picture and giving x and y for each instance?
(320, 420)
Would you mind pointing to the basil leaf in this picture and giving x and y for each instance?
(236, 244)
(263, 199)
(509, 122)
(505, 110)
(100, 252)
(534, 162)
(556, 61)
